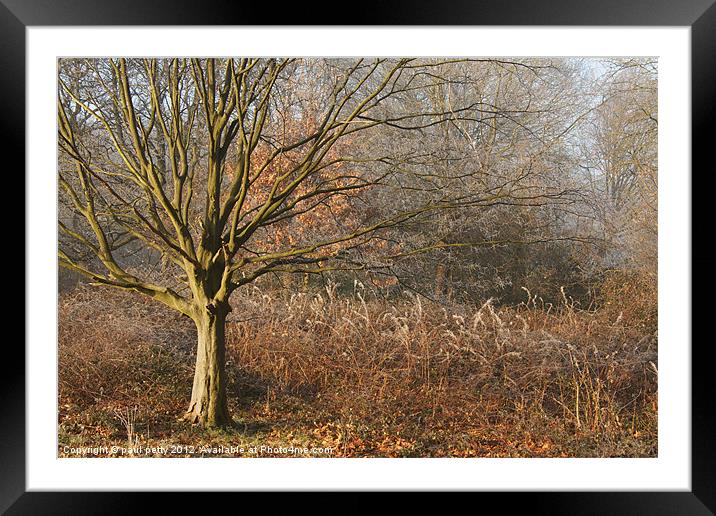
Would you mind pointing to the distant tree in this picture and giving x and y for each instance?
(220, 171)
(622, 159)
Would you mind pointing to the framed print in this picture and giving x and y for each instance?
(436, 250)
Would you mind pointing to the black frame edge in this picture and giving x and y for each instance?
(388, 12)
(700, 14)
(12, 129)
(703, 133)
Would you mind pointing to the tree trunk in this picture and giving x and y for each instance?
(208, 405)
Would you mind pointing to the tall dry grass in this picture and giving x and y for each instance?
(383, 378)
(425, 372)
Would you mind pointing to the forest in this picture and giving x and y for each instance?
(357, 257)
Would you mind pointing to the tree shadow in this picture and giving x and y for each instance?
(252, 428)
(247, 389)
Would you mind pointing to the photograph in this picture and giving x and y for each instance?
(357, 257)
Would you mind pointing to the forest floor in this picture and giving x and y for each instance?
(323, 375)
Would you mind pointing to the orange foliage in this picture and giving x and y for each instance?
(329, 215)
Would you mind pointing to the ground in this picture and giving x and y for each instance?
(322, 375)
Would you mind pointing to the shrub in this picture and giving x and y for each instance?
(376, 378)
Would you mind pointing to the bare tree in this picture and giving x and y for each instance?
(220, 171)
(622, 161)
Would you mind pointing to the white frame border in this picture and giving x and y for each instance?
(670, 471)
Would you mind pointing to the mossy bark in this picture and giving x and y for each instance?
(208, 406)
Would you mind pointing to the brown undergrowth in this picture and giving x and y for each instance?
(367, 377)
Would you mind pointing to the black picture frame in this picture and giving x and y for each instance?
(700, 15)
